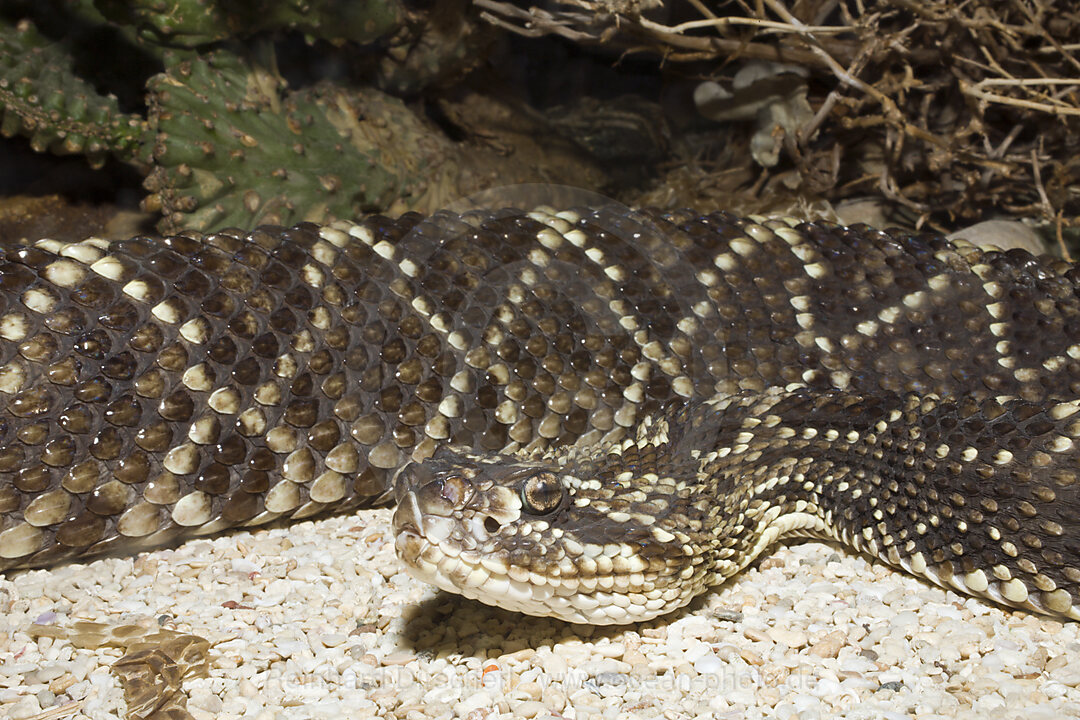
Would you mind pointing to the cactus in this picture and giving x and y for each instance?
(42, 99)
(224, 141)
(191, 23)
(232, 147)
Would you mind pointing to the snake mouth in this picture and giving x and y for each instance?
(436, 537)
(445, 534)
(446, 565)
(466, 534)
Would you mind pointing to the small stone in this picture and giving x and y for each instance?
(555, 665)
(205, 701)
(756, 635)
(750, 657)
(531, 690)
(728, 614)
(829, 646)
(1068, 674)
(26, 708)
(49, 673)
(332, 639)
(523, 655)
(475, 701)
(528, 709)
(794, 639)
(62, 683)
(710, 665)
(399, 657)
(635, 659)
(613, 650)
(573, 653)
(1058, 661)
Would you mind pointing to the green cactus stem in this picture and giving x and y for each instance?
(42, 99)
(191, 23)
(233, 147)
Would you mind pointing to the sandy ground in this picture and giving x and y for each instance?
(318, 620)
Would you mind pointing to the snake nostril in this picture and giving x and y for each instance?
(491, 525)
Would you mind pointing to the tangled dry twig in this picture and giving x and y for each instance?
(948, 107)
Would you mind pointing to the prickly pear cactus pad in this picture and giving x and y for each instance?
(232, 147)
(190, 23)
(43, 100)
(223, 138)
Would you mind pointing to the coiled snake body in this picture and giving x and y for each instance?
(592, 415)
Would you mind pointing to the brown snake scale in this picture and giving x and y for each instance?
(639, 403)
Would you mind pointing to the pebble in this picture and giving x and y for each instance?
(529, 709)
(205, 700)
(332, 639)
(399, 657)
(62, 683)
(794, 639)
(26, 707)
(709, 665)
(751, 657)
(475, 701)
(612, 650)
(555, 665)
(755, 634)
(337, 630)
(1068, 674)
(1003, 234)
(829, 646)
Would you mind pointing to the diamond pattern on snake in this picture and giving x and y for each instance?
(593, 415)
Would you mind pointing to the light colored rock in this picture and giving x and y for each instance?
(1067, 674)
(1003, 234)
(829, 646)
(528, 709)
(871, 211)
(794, 639)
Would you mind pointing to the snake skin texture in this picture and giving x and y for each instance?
(590, 414)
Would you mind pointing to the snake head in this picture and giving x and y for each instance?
(553, 538)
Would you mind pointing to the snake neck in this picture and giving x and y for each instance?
(945, 488)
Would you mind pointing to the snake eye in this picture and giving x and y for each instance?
(541, 493)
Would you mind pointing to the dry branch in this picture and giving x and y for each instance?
(975, 103)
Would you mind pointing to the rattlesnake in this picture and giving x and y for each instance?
(591, 414)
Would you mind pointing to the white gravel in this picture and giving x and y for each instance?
(318, 620)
